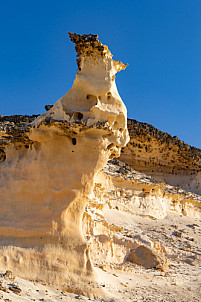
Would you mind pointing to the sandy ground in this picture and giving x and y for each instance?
(128, 282)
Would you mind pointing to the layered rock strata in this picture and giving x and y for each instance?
(122, 203)
(47, 169)
(113, 221)
(167, 158)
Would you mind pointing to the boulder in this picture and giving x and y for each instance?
(148, 257)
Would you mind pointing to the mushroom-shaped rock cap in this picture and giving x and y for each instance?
(89, 45)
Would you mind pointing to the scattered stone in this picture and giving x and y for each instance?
(15, 289)
(4, 289)
(9, 275)
(192, 226)
(177, 234)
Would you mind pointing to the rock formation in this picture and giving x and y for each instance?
(122, 201)
(134, 226)
(47, 168)
(148, 257)
(167, 158)
(68, 219)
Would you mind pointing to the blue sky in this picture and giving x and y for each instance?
(159, 39)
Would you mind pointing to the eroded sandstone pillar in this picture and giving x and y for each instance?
(46, 179)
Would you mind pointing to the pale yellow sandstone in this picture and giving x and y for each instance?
(45, 187)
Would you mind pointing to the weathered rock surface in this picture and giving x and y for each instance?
(167, 158)
(148, 257)
(121, 194)
(47, 169)
(140, 214)
(122, 197)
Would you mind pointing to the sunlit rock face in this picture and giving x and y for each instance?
(163, 156)
(47, 174)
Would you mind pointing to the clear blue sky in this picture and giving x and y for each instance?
(159, 39)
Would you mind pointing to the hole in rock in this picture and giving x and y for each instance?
(110, 146)
(78, 115)
(109, 95)
(48, 107)
(93, 99)
(74, 141)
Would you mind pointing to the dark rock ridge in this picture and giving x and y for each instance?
(163, 156)
(14, 129)
(153, 150)
(138, 128)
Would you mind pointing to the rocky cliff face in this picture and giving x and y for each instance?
(167, 158)
(47, 169)
(70, 218)
(123, 196)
